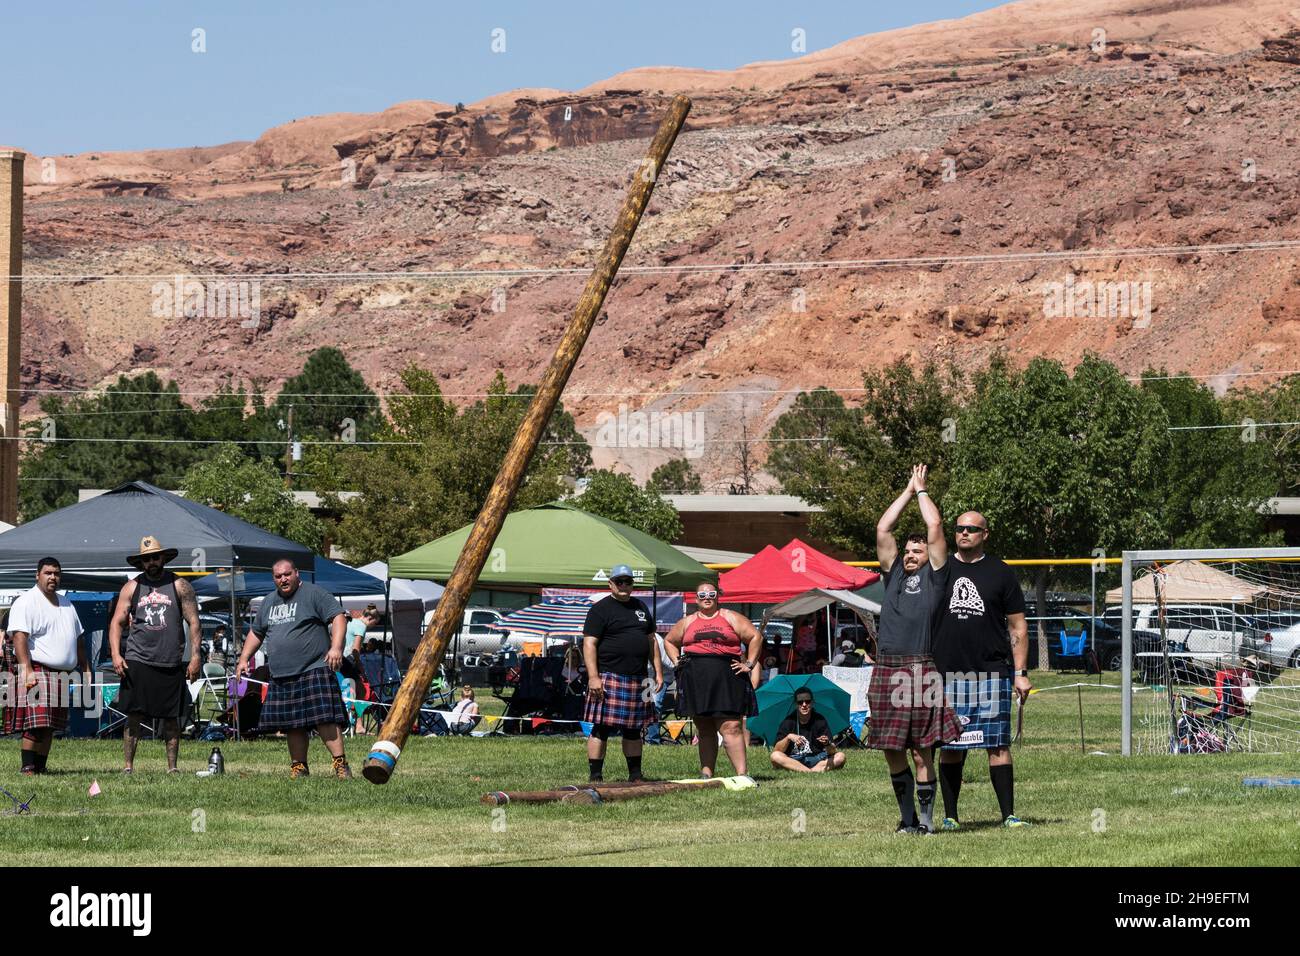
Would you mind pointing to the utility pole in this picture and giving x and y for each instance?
(11, 331)
(288, 453)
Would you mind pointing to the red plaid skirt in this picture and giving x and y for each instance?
(33, 708)
(628, 703)
(908, 708)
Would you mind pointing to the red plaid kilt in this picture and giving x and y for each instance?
(909, 723)
(32, 709)
(625, 704)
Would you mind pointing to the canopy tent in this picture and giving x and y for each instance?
(813, 600)
(403, 589)
(559, 545)
(775, 575)
(99, 533)
(338, 579)
(1185, 581)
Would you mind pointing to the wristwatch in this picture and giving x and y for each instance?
(1021, 673)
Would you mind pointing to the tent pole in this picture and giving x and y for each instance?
(234, 632)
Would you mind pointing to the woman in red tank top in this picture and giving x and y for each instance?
(715, 652)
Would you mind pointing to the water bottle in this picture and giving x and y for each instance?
(216, 763)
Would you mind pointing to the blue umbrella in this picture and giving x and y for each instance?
(776, 701)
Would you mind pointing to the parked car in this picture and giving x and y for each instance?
(1278, 642)
(1104, 638)
(477, 635)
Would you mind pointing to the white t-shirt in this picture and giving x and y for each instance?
(52, 632)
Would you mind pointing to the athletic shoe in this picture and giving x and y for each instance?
(298, 769)
(635, 778)
(596, 778)
(923, 830)
(904, 828)
(1014, 821)
(341, 768)
(29, 771)
(950, 824)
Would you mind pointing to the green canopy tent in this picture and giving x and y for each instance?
(558, 545)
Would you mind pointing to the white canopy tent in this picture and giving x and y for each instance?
(1192, 582)
(401, 589)
(812, 601)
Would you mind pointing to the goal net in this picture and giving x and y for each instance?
(1211, 644)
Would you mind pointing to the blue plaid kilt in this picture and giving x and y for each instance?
(628, 703)
(304, 700)
(984, 709)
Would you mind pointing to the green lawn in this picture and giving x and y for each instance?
(1086, 809)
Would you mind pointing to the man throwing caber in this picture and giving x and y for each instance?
(980, 632)
(908, 711)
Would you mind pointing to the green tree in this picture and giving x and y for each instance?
(330, 401)
(618, 498)
(675, 477)
(1059, 466)
(1216, 477)
(136, 429)
(438, 468)
(232, 482)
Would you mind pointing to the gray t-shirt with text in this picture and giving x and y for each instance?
(295, 631)
(908, 612)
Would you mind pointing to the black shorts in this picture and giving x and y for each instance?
(152, 691)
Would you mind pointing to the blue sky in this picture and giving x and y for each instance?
(122, 75)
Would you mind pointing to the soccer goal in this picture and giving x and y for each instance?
(1211, 651)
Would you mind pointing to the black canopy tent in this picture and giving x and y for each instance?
(98, 534)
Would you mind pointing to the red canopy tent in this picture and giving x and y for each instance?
(772, 575)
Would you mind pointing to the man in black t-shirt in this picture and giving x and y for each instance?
(618, 641)
(980, 632)
(803, 741)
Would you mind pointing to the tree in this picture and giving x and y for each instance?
(438, 468)
(905, 418)
(618, 498)
(743, 458)
(136, 429)
(1215, 478)
(1059, 467)
(330, 400)
(251, 490)
(675, 477)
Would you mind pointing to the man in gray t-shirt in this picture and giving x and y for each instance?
(302, 626)
(908, 710)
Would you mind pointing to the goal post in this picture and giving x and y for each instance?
(1209, 633)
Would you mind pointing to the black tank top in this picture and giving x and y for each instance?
(157, 634)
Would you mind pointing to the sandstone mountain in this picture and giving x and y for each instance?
(1077, 130)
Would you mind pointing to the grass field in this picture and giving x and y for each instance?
(1086, 809)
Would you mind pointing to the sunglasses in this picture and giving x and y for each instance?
(970, 529)
(706, 595)
(803, 703)
(622, 580)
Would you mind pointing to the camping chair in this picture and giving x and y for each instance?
(1074, 648)
(1209, 721)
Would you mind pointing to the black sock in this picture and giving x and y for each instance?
(596, 765)
(902, 782)
(29, 759)
(40, 762)
(1004, 786)
(633, 767)
(950, 786)
(925, 799)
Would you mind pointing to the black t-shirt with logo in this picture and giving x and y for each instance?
(971, 634)
(621, 630)
(908, 612)
(816, 727)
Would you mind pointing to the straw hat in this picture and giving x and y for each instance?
(150, 545)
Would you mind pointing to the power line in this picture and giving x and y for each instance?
(689, 268)
(1200, 428)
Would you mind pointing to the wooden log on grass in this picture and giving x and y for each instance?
(383, 756)
(597, 792)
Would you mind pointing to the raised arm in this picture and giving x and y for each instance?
(886, 546)
(935, 540)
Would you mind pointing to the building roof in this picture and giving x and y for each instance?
(766, 504)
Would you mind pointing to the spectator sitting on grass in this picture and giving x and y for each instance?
(465, 714)
(803, 741)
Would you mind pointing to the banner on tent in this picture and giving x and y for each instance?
(853, 681)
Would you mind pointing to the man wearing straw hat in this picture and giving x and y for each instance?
(153, 610)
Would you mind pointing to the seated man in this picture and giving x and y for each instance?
(803, 741)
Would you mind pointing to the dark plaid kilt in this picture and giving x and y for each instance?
(304, 700)
(31, 709)
(624, 705)
(903, 713)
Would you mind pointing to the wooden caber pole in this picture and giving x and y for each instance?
(383, 756)
(606, 792)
